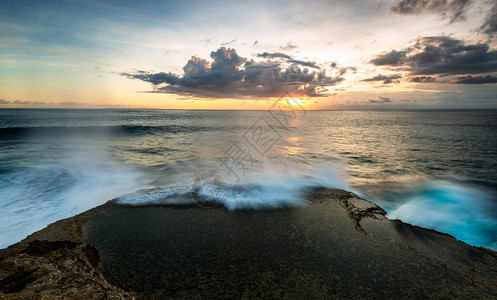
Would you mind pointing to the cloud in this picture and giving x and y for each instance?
(233, 41)
(287, 47)
(476, 80)
(422, 79)
(452, 9)
(28, 102)
(71, 103)
(288, 58)
(380, 100)
(304, 63)
(392, 58)
(230, 76)
(440, 56)
(387, 79)
(272, 55)
(455, 10)
(2, 101)
(490, 24)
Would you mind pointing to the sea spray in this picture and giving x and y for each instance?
(259, 190)
(466, 212)
(33, 197)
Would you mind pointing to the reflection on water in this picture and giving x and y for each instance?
(291, 146)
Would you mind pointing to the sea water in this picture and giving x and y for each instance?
(435, 169)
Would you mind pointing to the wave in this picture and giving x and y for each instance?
(34, 196)
(465, 212)
(19, 132)
(259, 190)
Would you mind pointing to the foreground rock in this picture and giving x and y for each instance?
(338, 246)
(55, 263)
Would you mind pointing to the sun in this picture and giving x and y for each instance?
(295, 102)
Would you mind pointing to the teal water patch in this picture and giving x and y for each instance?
(467, 213)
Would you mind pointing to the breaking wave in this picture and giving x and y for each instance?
(262, 190)
(34, 196)
(463, 211)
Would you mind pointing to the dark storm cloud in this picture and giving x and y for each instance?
(387, 79)
(490, 25)
(476, 80)
(422, 79)
(440, 56)
(390, 58)
(452, 9)
(232, 76)
(2, 101)
(156, 78)
(380, 100)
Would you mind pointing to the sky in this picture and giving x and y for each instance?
(342, 54)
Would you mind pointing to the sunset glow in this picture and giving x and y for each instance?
(296, 101)
(334, 54)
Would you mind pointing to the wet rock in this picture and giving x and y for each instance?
(338, 246)
(55, 269)
(16, 281)
(37, 247)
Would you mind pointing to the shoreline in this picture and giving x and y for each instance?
(340, 246)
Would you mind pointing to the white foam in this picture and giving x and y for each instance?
(462, 211)
(35, 196)
(257, 190)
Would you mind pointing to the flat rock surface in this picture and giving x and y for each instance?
(337, 246)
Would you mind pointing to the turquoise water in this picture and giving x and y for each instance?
(435, 169)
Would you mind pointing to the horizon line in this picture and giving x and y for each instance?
(200, 109)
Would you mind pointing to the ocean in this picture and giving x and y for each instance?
(432, 168)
